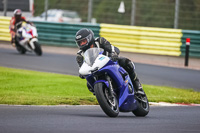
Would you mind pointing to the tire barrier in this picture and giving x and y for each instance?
(194, 43)
(4, 28)
(147, 40)
(61, 34)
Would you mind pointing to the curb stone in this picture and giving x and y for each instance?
(171, 104)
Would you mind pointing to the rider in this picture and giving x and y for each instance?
(16, 23)
(85, 40)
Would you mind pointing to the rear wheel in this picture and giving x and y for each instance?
(38, 49)
(108, 104)
(142, 103)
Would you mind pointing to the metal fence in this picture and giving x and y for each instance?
(181, 14)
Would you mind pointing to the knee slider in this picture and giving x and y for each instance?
(127, 65)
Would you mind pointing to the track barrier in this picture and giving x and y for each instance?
(148, 40)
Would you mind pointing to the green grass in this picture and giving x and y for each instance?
(24, 87)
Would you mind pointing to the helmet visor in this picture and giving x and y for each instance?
(84, 42)
(18, 17)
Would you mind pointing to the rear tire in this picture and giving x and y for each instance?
(143, 105)
(109, 106)
(38, 49)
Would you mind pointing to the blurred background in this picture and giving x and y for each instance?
(178, 14)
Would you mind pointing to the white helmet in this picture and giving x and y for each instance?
(17, 12)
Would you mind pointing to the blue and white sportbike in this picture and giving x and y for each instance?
(112, 85)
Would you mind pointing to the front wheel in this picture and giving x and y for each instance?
(19, 48)
(108, 104)
(38, 49)
(142, 103)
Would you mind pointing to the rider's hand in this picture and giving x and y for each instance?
(79, 59)
(81, 76)
(114, 57)
(28, 22)
(32, 24)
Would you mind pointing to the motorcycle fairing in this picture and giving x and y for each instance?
(102, 81)
(121, 79)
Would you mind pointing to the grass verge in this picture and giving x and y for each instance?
(24, 87)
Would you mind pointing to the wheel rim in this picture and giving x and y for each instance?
(111, 101)
(142, 99)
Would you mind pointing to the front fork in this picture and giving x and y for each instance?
(110, 88)
(108, 83)
(31, 42)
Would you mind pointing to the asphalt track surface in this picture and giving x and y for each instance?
(66, 64)
(91, 119)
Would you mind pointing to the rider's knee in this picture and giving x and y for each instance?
(127, 64)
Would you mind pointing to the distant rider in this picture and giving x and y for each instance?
(15, 23)
(85, 40)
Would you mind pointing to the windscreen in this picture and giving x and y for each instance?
(91, 54)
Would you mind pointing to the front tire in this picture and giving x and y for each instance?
(19, 48)
(38, 49)
(109, 105)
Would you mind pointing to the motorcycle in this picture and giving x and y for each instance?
(26, 40)
(112, 85)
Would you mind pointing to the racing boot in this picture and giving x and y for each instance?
(13, 42)
(130, 68)
(136, 83)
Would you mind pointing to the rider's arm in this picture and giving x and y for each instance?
(107, 46)
(12, 25)
(79, 58)
(28, 22)
(12, 30)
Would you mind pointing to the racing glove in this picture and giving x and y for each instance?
(81, 76)
(114, 57)
(79, 59)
